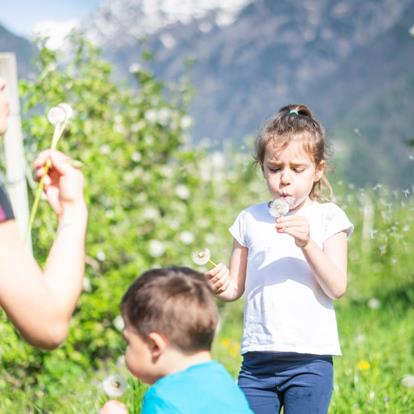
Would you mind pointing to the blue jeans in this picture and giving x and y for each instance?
(301, 383)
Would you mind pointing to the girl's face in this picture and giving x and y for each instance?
(4, 107)
(291, 173)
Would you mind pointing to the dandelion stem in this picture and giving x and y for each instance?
(39, 190)
(57, 133)
(214, 264)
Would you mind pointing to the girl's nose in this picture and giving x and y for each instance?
(285, 177)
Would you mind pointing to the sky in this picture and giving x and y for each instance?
(23, 16)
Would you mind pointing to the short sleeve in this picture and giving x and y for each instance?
(238, 229)
(335, 220)
(6, 211)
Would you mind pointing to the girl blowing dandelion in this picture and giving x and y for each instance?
(290, 269)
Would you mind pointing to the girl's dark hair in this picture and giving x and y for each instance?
(176, 302)
(296, 123)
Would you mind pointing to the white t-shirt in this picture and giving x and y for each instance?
(285, 308)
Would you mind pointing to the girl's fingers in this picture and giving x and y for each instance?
(224, 287)
(215, 270)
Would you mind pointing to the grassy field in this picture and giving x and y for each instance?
(375, 318)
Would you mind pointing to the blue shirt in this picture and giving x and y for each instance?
(205, 388)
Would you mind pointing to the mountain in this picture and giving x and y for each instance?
(350, 61)
(24, 50)
(342, 58)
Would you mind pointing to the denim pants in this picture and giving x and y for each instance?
(300, 383)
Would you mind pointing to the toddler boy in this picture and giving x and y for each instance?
(170, 319)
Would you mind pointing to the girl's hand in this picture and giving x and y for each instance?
(218, 278)
(297, 227)
(113, 407)
(63, 184)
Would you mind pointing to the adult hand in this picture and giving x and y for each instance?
(63, 184)
(297, 227)
(219, 278)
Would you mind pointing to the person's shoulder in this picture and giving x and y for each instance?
(335, 218)
(155, 401)
(256, 209)
(327, 207)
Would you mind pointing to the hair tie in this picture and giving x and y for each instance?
(294, 111)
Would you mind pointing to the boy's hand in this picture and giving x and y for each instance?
(218, 278)
(297, 227)
(113, 407)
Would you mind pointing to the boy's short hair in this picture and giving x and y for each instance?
(176, 302)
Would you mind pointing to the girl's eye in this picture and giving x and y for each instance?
(273, 169)
(299, 170)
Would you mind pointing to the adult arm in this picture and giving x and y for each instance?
(40, 304)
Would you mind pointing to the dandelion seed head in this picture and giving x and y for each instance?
(201, 257)
(119, 323)
(408, 381)
(359, 339)
(278, 207)
(114, 386)
(56, 115)
(67, 109)
(374, 303)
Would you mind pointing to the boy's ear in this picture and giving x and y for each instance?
(320, 169)
(157, 344)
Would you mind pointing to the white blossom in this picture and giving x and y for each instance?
(150, 213)
(182, 191)
(156, 248)
(211, 238)
(105, 149)
(187, 237)
(151, 116)
(164, 116)
(136, 156)
(86, 284)
(186, 122)
(134, 68)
